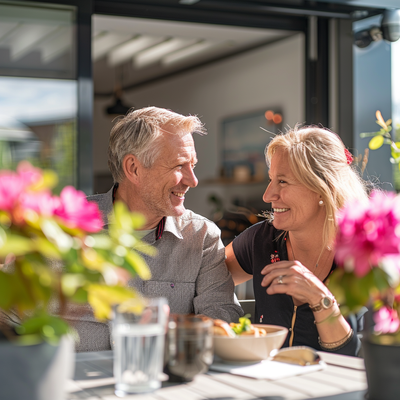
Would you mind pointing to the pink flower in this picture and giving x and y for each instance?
(14, 184)
(368, 231)
(386, 320)
(41, 202)
(11, 187)
(76, 212)
(28, 173)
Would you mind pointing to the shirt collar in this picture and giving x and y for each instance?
(171, 225)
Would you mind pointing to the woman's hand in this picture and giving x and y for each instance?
(294, 279)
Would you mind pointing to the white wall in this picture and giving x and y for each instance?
(272, 77)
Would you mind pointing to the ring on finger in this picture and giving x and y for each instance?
(280, 279)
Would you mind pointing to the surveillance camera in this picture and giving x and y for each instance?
(391, 25)
(362, 39)
(365, 37)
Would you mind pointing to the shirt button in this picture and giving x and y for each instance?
(290, 329)
(172, 285)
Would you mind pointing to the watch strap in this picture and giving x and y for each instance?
(321, 305)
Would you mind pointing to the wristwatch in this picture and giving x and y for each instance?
(325, 303)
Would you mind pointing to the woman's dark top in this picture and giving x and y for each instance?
(260, 245)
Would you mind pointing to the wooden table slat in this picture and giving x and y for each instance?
(211, 388)
(260, 387)
(343, 379)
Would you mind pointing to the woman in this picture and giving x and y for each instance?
(291, 258)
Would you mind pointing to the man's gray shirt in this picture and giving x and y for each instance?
(189, 270)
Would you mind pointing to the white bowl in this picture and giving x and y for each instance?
(250, 348)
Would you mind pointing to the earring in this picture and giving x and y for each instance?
(321, 203)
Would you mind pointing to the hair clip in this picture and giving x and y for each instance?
(349, 157)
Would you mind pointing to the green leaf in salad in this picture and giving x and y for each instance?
(244, 325)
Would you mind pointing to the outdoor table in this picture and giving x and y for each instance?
(343, 379)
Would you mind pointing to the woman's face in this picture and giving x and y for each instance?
(295, 206)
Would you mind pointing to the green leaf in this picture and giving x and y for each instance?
(395, 150)
(380, 279)
(368, 134)
(145, 248)
(139, 265)
(99, 241)
(47, 248)
(16, 245)
(103, 297)
(244, 325)
(138, 220)
(376, 142)
(71, 282)
(49, 327)
(6, 294)
(55, 234)
(80, 296)
(350, 291)
(334, 285)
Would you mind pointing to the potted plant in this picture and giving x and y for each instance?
(53, 251)
(368, 274)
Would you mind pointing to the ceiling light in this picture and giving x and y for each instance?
(106, 41)
(127, 50)
(154, 54)
(118, 107)
(188, 52)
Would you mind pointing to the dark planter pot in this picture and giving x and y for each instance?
(35, 372)
(382, 365)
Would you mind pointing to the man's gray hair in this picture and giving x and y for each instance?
(137, 134)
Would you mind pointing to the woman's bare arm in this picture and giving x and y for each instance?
(238, 275)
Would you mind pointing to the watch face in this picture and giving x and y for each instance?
(326, 302)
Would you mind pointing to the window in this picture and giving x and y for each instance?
(38, 88)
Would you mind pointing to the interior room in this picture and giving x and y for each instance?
(252, 71)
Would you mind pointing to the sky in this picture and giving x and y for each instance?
(27, 99)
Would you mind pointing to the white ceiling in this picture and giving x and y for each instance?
(129, 51)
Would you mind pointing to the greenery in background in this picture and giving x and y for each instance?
(384, 136)
(59, 155)
(87, 264)
(64, 157)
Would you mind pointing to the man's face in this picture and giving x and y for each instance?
(164, 185)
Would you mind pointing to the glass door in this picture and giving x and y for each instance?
(39, 88)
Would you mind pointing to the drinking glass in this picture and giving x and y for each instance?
(189, 346)
(139, 347)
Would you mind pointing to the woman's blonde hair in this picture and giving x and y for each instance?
(317, 158)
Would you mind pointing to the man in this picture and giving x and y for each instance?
(151, 156)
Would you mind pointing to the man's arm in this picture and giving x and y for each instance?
(214, 285)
